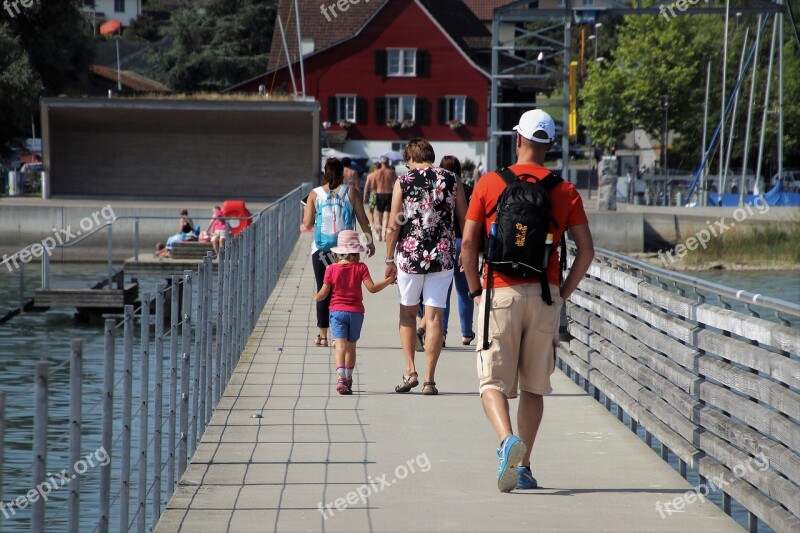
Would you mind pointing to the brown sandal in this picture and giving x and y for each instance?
(319, 341)
(409, 382)
(429, 388)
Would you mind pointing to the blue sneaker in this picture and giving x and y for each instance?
(526, 479)
(510, 452)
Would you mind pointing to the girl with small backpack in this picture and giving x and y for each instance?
(330, 209)
(342, 284)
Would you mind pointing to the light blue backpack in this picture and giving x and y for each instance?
(334, 214)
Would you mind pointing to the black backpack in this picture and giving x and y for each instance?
(518, 245)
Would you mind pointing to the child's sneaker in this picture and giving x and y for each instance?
(349, 383)
(510, 452)
(342, 387)
(526, 479)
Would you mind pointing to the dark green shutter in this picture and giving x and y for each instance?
(421, 112)
(380, 62)
(441, 108)
(361, 110)
(333, 111)
(380, 109)
(423, 64)
(471, 112)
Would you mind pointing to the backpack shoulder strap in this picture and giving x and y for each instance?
(550, 181)
(508, 175)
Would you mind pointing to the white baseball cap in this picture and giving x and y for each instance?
(536, 120)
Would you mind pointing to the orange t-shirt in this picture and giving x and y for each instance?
(567, 209)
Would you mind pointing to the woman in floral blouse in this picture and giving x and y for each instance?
(427, 202)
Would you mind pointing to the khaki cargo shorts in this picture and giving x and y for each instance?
(523, 332)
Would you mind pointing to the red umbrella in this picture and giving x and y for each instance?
(110, 27)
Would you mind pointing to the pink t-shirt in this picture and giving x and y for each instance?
(345, 281)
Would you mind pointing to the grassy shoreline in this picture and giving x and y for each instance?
(772, 247)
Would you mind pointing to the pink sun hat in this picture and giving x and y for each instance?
(348, 243)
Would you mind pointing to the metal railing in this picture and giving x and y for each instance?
(170, 383)
(715, 383)
(36, 250)
(703, 289)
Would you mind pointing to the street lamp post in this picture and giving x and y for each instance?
(597, 26)
(666, 139)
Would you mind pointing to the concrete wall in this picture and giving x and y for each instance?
(616, 231)
(28, 224)
(97, 148)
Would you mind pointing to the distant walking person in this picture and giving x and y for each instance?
(331, 208)
(516, 347)
(350, 175)
(427, 203)
(342, 283)
(383, 182)
(370, 198)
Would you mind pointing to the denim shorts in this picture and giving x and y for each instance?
(346, 325)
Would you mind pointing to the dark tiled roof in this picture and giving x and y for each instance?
(462, 25)
(314, 25)
(483, 8)
(130, 79)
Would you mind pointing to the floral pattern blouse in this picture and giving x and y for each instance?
(427, 244)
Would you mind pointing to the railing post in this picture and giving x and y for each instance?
(198, 360)
(219, 367)
(173, 381)
(39, 441)
(158, 403)
(127, 404)
(186, 343)
(144, 394)
(45, 270)
(136, 239)
(75, 395)
(2, 439)
(110, 256)
(108, 426)
(209, 327)
(22, 286)
(226, 312)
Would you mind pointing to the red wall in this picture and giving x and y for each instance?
(349, 68)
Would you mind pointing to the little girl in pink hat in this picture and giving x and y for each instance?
(344, 278)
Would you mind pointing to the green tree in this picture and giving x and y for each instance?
(58, 40)
(19, 86)
(215, 45)
(655, 57)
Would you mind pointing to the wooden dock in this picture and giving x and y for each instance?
(88, 298)
(156, 266)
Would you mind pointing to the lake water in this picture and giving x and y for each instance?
(30, 337)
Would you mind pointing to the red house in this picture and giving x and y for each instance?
(386, 71)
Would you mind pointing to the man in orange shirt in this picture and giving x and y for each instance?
(522, 327)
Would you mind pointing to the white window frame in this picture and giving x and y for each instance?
(119, 4)
(402, 53)
(463, 116)
(343, 99)
(402, 99)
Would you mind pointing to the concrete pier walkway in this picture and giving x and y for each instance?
(283, 445)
